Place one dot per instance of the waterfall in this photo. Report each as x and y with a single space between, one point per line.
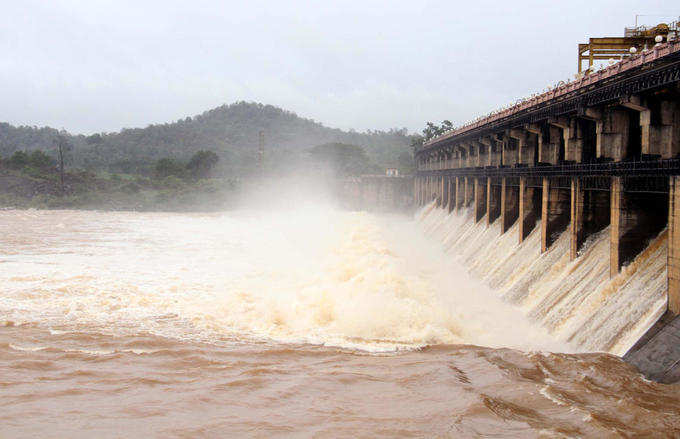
576 301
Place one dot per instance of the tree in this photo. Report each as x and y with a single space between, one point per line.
446 125
39 159
94 139
168 167
416 142
344 159
18 160
406 163
202 163
431 130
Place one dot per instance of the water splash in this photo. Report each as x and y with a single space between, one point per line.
575 300
319 276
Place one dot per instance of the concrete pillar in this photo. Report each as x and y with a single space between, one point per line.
550 150
452 193
574 147
612 134
576 230
428 192
473 156
482 152
560 137
620 224
493 150
529 208
555 216
469 191
510 151
480 199
509 205
488 144
493 201
635 219
660 129
497 151
425 189
441 194
428 189
538 134
674 246
630 225
460 192
464 156
433 188
526 144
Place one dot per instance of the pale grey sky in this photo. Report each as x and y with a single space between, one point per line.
101 65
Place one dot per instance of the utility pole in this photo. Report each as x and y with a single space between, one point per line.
260 154
61 162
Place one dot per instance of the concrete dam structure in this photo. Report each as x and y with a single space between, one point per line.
568 203
377 193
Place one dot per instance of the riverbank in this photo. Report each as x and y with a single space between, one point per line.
42 189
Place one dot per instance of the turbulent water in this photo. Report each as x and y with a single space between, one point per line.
312 322
575 300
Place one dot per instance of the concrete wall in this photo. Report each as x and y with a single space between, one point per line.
555 212
509 204
382 193
530 201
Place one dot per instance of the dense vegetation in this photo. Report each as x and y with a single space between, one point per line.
175 165
32 180
231 131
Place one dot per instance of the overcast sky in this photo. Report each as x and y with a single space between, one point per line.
91 66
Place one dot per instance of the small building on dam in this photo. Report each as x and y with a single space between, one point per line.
596 153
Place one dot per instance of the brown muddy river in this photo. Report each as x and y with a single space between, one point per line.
305 323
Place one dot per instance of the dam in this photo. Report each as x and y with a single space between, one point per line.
568 202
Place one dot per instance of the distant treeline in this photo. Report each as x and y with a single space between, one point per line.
231 132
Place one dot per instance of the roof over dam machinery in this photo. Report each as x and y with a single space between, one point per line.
595 152
634 40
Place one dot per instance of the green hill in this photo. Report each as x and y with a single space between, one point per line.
232 131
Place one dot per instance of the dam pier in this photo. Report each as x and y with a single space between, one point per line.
601 151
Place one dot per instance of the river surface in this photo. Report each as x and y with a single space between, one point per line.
302 323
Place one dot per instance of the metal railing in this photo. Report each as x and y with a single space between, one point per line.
631 168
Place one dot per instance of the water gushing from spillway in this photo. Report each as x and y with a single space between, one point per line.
576 301
312 322
312 275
